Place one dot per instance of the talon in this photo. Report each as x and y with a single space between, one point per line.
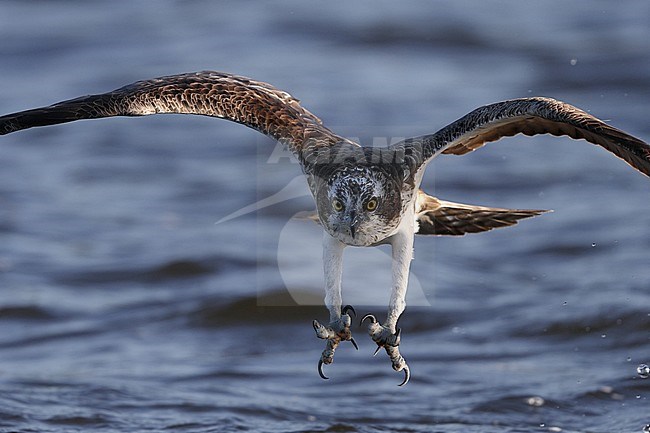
407 376
372 318
347 308
321 374
389 340
336 332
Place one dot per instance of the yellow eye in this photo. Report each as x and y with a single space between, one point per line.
372 204
337 205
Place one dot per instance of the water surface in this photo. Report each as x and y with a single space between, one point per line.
125 308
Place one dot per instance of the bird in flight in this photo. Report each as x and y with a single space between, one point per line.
365 196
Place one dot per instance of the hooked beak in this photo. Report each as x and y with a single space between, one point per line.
351 223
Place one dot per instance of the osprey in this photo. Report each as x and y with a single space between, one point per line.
365 196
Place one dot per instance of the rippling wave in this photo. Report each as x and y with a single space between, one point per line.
124 307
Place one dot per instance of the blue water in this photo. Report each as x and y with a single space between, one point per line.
125 308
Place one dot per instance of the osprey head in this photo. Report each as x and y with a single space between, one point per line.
359 205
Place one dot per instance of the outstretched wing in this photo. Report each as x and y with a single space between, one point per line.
529 116
440 217
252 103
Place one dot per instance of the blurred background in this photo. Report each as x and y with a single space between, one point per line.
124 307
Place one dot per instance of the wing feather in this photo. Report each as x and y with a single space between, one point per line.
252 103
529 116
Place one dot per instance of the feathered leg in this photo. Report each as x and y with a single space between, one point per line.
388 335
339 327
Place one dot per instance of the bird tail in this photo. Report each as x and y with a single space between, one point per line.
440 217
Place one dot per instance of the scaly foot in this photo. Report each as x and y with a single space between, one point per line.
336 332
385 338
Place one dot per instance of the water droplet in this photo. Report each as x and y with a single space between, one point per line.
565 303
646 429
535 401
629 359
643 370
574 62
603 336
593 244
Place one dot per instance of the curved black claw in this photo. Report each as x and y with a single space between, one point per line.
321 374
347 308
372 318
407 376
